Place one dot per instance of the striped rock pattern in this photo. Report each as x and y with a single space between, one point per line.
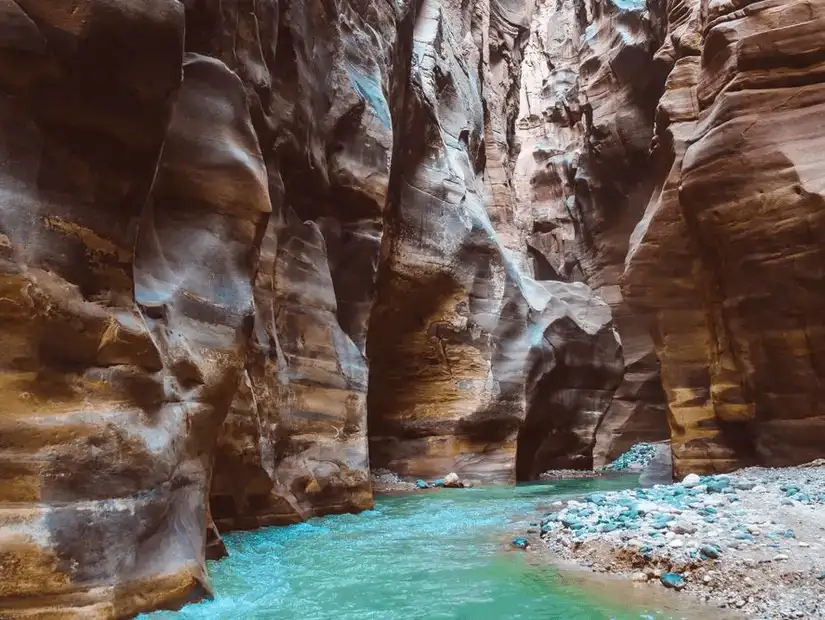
211 215
589 91
726 263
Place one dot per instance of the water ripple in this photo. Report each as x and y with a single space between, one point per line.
429 556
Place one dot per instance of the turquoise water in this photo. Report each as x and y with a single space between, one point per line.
427 556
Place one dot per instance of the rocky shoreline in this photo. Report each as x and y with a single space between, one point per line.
751 541
385 482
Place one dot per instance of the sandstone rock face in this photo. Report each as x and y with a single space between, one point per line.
726 262
294 443
476 346
589 91
133 194
212 216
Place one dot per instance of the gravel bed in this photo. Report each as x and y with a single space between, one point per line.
635 459
753 541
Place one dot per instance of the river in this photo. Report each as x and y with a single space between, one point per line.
426 556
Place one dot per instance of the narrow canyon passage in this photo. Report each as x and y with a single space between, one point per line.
254 251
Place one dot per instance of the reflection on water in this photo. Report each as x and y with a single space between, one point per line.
439 555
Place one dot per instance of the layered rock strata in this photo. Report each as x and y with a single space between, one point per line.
212 215
320 78
725 263
589 92
477 346
133 195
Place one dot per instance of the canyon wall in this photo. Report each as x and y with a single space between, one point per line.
462 341
590 87
726 264
133 195
670 159
250 249
228 230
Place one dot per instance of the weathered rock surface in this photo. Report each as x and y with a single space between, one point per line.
211 215
726 262
477 346
294 443
589 92
241 241
132 195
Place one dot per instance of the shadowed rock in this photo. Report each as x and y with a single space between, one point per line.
461 335
726 262
588 97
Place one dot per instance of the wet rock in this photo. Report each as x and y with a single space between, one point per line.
717 486
673 580
422 484
710 551
521 543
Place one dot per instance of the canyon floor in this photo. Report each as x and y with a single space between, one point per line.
751 541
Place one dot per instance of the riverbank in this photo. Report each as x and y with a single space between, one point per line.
437 553
753 541
385 482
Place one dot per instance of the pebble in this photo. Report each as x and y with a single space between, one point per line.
710 551
683 528
691 480
672 580
703 522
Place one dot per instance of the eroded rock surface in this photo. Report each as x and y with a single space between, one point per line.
726 262
132 195
294 443
589 92
212 214
241 241
477 346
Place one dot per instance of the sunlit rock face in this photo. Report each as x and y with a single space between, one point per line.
132 197
460 335
319 78
590 86
727 260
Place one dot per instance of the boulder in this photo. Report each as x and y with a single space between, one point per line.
452 480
